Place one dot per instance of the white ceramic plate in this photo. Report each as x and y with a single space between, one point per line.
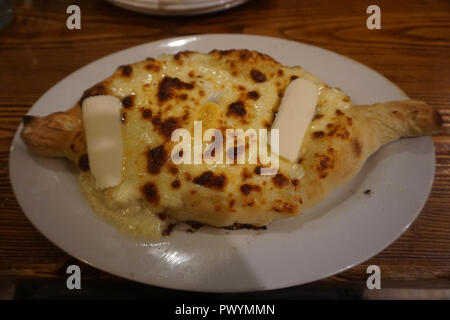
177 7
346 229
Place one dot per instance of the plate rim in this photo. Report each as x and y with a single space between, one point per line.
175 11
201 37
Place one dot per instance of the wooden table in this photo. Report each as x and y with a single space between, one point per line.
412 49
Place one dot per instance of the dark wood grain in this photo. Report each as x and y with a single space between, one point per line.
412 49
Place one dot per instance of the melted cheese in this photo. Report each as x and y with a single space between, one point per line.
134 219
126 205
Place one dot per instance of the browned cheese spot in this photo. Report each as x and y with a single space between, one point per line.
185 115
156 120
176 184
156 158
168 126
98 90
258 170
280 180
244 55
338 131
128 101
168 86
325 162
178 57
146 113
318 116
126 70
258 76
210 180
245 174
318 134
236 108
153 67
254 95
247 188
150 192
284 207
173 169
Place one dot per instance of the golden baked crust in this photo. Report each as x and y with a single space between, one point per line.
160 95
